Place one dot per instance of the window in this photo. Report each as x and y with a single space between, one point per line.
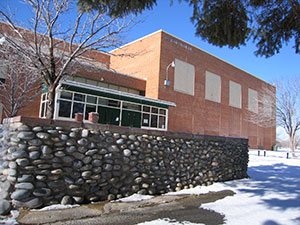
43 106
252 100
267 107
154 117
105 85
212 87
235 94
111 111
184 77
3 71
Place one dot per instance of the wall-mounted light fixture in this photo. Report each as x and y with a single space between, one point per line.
167 82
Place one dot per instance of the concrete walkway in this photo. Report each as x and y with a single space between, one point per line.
178 207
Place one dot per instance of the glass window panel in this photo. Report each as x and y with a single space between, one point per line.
113 103
102 101
154 110
133 91
91 99
146 108
146 120
42 114
114 87
79 97
77 108
154 120
66 95
101 84
88 109
162 112
79 79
162 122
124 89
127 105
92 82
64 109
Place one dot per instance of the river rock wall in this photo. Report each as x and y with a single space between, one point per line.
51 162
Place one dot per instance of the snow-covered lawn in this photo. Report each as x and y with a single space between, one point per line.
270 197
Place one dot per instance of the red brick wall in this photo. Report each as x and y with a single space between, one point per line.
194 113
141 59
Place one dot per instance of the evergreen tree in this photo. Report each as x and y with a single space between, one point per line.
270 23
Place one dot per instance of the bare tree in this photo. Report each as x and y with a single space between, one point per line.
21 84
53 44
278 105
288 107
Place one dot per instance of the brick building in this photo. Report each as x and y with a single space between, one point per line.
161 82
212 96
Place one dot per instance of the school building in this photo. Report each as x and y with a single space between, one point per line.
164 83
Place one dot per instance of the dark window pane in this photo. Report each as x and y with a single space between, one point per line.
146 108
88 109
102 101
114 103
127 105
162 112
79 97
64 109
91 99
146 120
154 110
43 110
154 120
77 108
162 122
66 95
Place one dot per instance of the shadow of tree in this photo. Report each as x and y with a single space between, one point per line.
278 185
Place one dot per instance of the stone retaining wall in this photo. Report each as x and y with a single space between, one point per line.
49 162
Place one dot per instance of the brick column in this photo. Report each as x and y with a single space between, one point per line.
79 117
93 117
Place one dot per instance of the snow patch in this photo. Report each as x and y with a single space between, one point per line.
55 207
134 198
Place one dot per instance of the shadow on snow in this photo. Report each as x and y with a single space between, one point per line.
281 181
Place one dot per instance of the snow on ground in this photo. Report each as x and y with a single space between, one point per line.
134 198
270 197
55 207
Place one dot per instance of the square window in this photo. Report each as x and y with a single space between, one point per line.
77 108
102 101
88 109
64 109
79 97
66 95
162 111
212 87
91 99
146 120
184 77
235 94
146 108
154 110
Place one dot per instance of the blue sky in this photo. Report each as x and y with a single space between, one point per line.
175 20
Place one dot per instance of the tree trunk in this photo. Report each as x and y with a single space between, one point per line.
292 145
51 103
